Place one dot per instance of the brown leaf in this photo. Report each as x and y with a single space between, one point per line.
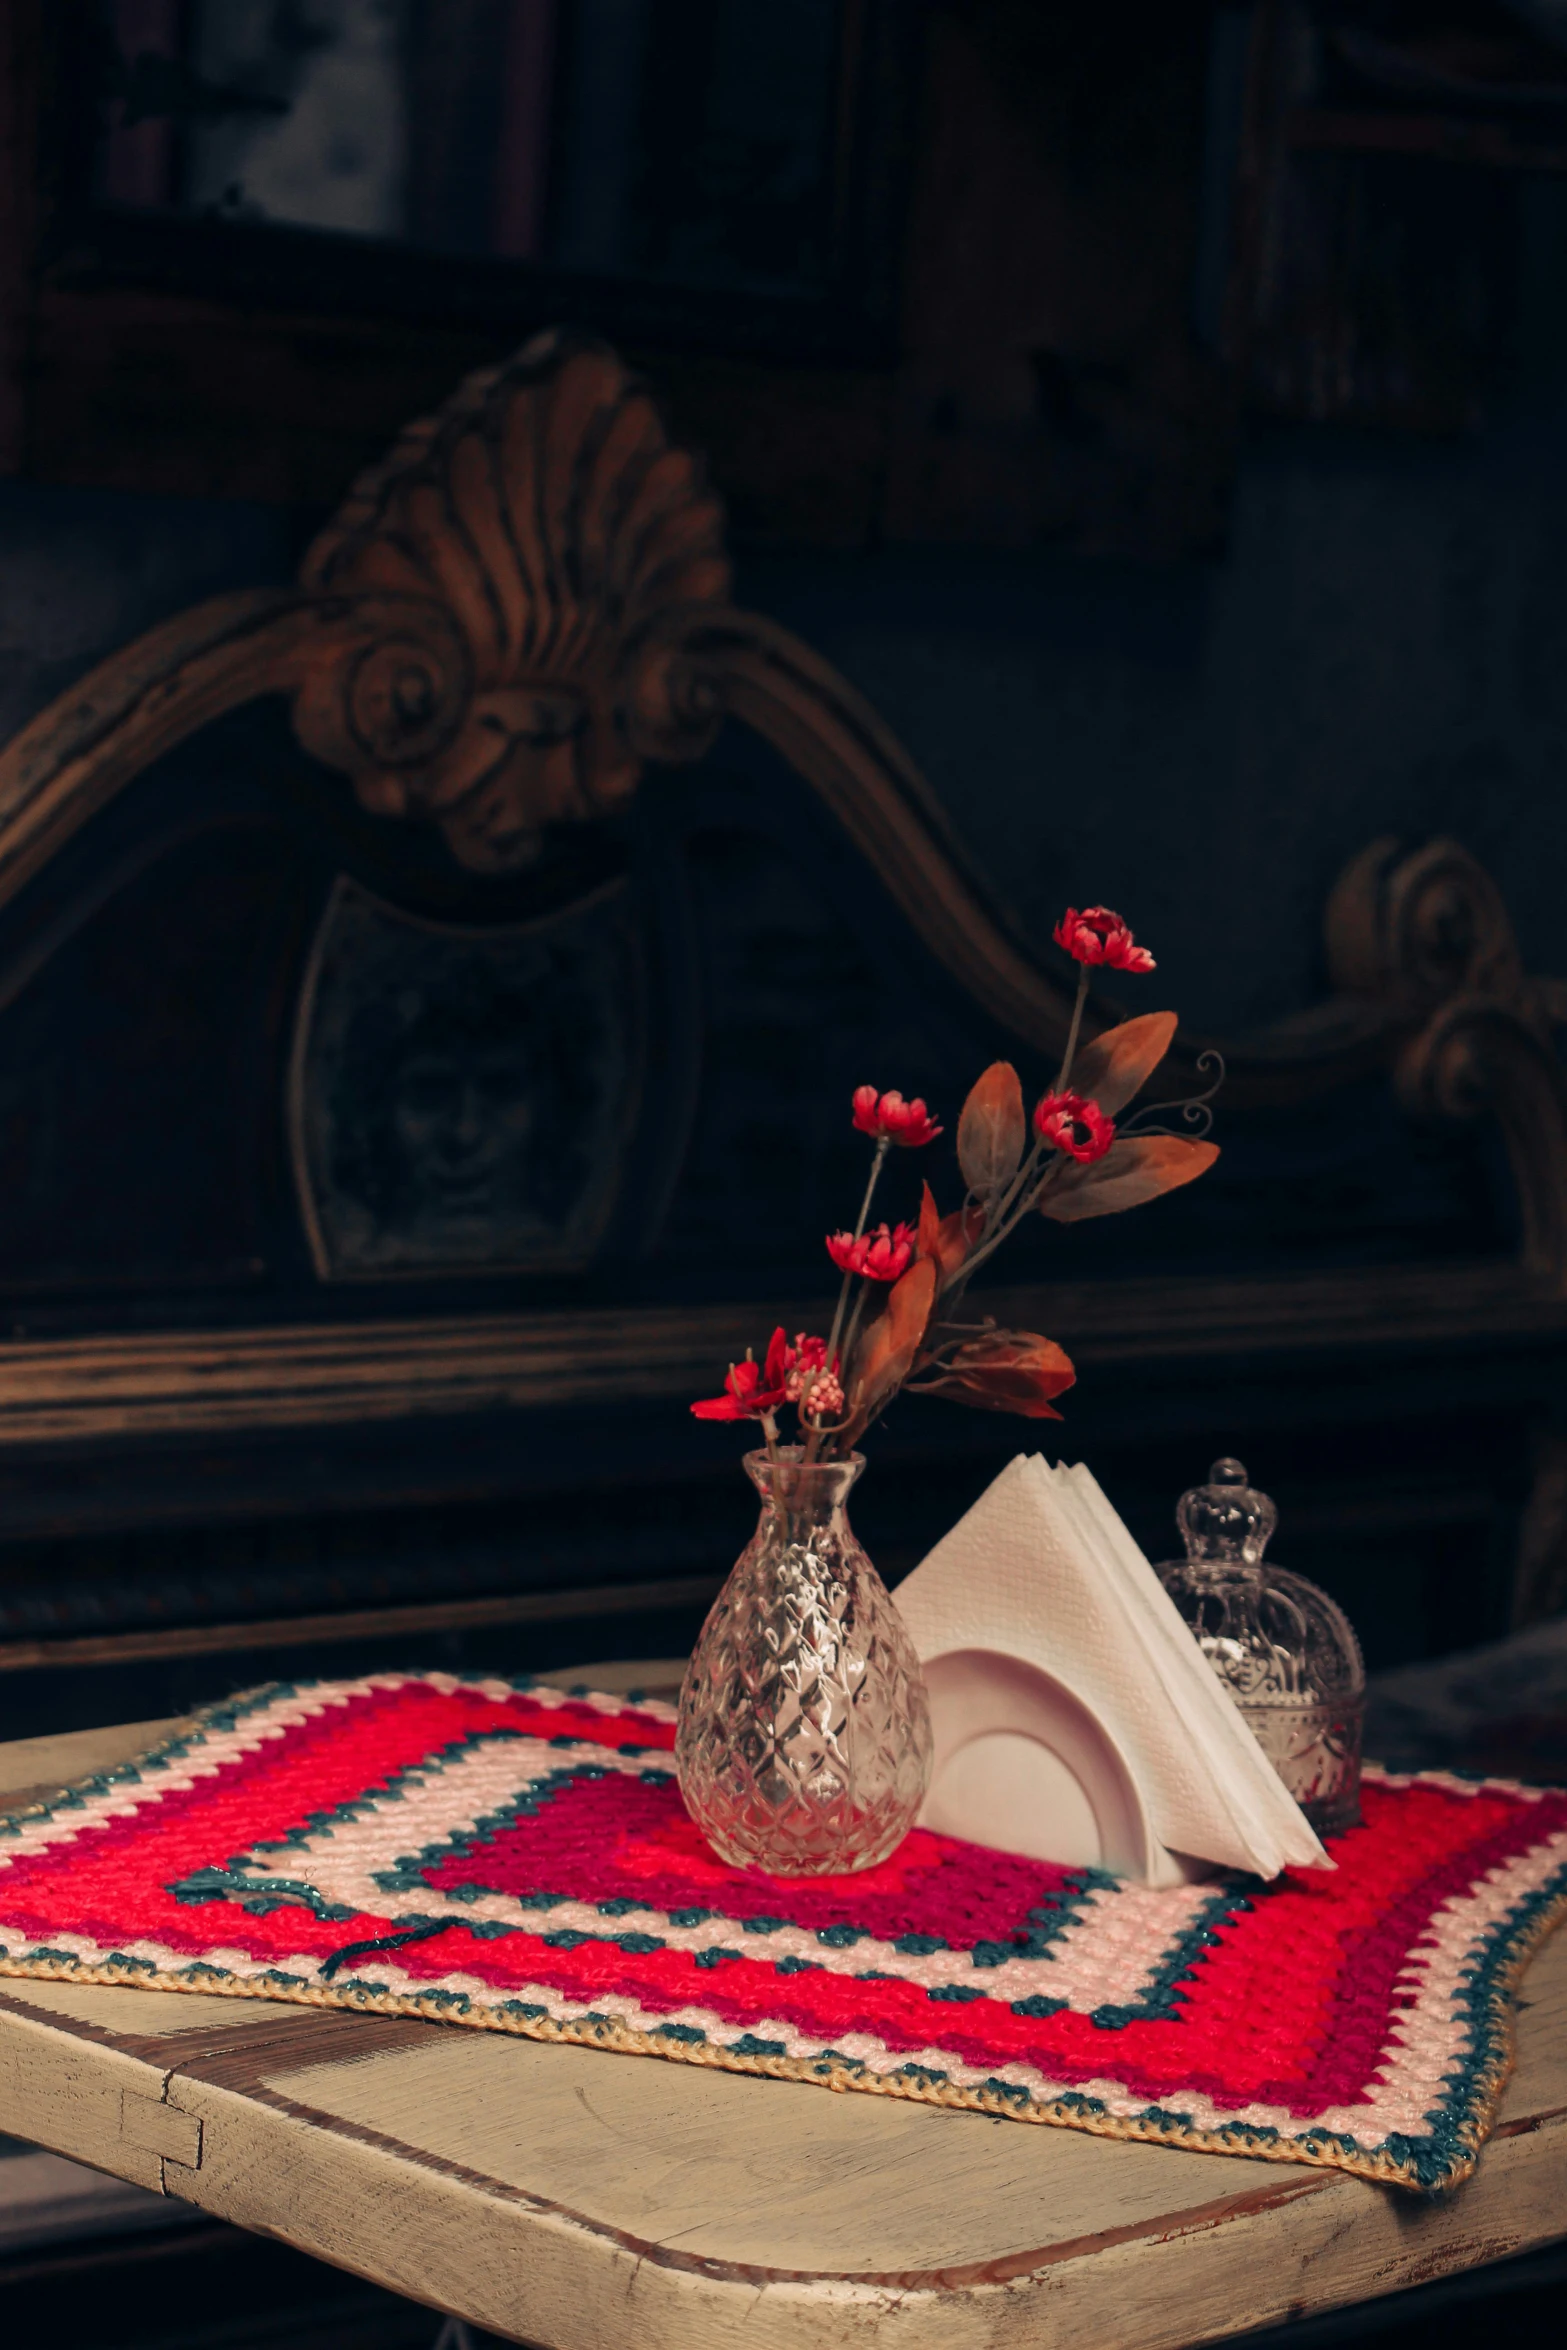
992 1130
926 1239
887 1350
1119 1063
946 1239
960 1233
1137 1168
1005 1371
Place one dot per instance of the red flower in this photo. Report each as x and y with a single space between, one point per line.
751 1389
880 1254
810 1380
1075 1125
789 1374
889 1115
1098 936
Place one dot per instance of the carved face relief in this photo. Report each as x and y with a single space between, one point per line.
529 757
461 1118
461 1099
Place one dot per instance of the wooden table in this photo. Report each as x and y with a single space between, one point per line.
587 2201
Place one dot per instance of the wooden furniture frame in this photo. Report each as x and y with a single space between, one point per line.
579 2200
434 607
541 541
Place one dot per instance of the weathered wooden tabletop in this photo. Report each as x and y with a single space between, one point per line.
584 2200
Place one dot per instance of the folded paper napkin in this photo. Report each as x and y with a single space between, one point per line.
518 1858
1042 1567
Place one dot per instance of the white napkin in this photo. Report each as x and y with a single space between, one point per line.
1041 1567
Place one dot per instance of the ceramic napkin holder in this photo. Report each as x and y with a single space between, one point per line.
1075 1718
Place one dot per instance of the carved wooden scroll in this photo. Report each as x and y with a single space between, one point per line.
1424 936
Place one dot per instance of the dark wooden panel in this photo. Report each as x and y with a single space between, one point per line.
426 1034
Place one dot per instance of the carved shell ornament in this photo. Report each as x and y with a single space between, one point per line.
516 587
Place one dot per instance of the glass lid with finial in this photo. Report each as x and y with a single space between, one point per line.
1285 1651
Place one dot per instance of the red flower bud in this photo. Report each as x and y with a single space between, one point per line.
1098 936
889 1115
797 1374
881 1254
1075 1125
811 1382
751 1388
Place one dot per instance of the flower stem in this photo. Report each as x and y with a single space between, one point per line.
852 1331
1023 1191
811 1430
1014 1204
1072 1033
883 1145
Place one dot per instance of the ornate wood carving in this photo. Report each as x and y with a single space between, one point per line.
517 585
494 633
525 602
529 599
1425 937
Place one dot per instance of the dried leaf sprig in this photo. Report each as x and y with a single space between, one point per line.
1067 1161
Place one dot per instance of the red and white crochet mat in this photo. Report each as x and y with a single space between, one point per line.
517 1858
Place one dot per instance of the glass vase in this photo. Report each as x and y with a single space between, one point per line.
804 1743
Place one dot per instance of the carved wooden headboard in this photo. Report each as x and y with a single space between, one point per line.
426 998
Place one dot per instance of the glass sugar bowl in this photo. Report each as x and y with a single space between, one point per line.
1282 1648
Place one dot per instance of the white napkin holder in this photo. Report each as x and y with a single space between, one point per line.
1074 1717
1024 1765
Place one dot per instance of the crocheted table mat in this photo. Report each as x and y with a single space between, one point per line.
518 1858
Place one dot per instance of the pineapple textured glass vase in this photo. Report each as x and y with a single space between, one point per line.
804 1744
